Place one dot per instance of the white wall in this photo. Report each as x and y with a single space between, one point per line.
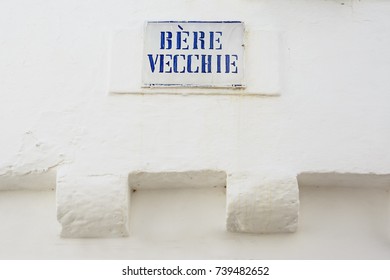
335 223
332 114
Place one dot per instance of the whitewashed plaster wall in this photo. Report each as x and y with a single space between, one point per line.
335 223
332 113
56 108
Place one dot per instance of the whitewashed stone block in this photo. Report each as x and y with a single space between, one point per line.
262 204
92 205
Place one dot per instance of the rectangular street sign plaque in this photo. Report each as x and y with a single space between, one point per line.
193 54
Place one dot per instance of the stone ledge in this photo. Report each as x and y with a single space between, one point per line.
185 179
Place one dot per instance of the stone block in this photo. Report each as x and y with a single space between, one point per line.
262 203
92 205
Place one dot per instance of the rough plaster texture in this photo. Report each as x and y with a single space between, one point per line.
56 109
267 203
334 223
92 206
174 180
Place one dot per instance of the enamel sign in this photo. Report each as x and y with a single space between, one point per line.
194 54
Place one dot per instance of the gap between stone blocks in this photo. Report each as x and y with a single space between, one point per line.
266 202
97 206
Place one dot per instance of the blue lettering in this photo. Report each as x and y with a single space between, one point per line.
161 63
168 65
234 63
193 63
198 36
218 35
166 40
152 62
206 63
227 63
189 63
219 63
182 40
175 58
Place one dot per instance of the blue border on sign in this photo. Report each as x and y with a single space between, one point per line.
193 21
195 85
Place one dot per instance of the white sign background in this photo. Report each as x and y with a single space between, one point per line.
193 54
